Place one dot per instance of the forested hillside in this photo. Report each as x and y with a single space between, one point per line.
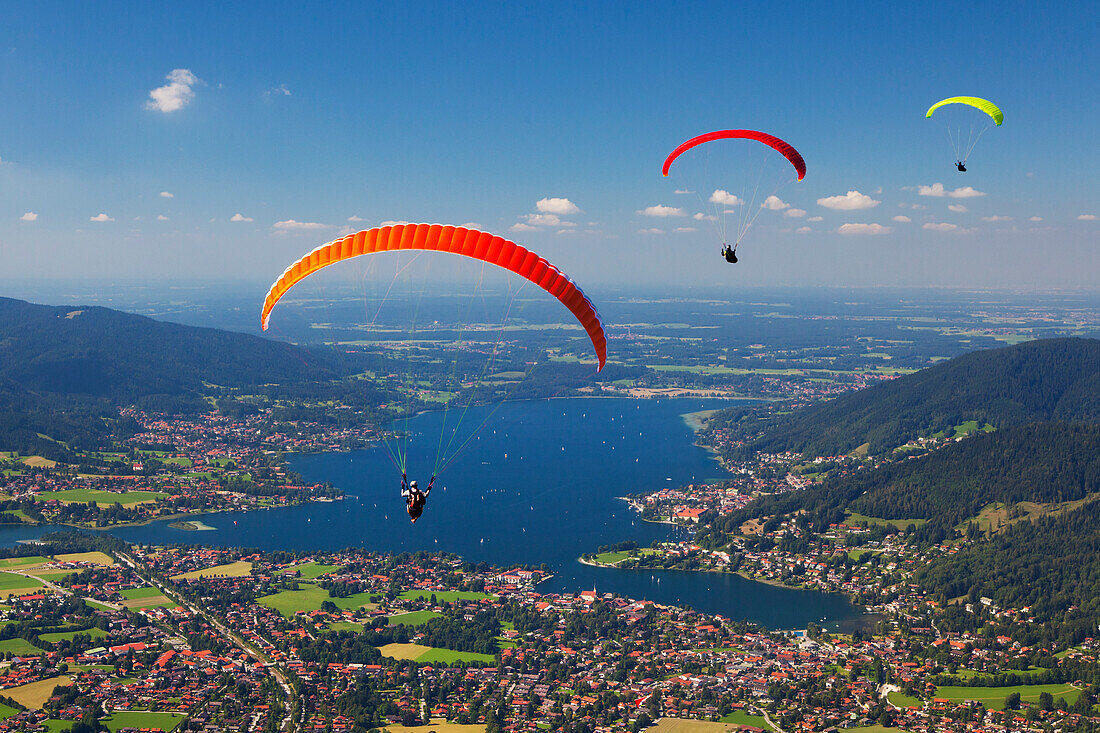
1050 565
64 371
1045 380
1041 463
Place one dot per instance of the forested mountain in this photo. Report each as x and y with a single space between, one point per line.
1050 379
1051 565
103 352
1043 463
64 371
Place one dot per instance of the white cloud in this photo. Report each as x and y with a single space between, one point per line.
393 222
544 220
685 229
774 203
29 216
682 191
473 225
292 225
957 208
850 201
802 230
902 218
725 198
660 210
938 191
521 227
795 213
100 217
651 230
1087 217
1036 218
241 217
863 229
699 216
162 217
554 205
940 226
996 218
166 195
355 218
276 91
816 218
176 94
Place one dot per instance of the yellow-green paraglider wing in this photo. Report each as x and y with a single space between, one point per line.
983 104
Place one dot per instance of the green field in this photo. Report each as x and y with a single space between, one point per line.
21 562
740 717
416 618
345 626
900 700
56 636
854 518
104 498
446 656
11 581
142 719
309 597
309 570
994 697
446 596
19 646
962 429
969 674
131 594
610 558
6 711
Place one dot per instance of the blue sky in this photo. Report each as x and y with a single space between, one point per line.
306 120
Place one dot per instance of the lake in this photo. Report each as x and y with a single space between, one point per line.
538 484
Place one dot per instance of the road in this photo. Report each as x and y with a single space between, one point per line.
288 724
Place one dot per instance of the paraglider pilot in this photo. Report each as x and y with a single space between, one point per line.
415 499
730 253
961 165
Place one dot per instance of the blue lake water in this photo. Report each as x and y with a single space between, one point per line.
538 484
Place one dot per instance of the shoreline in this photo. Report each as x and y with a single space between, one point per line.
746 576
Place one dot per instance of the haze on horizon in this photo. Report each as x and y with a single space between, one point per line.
221 143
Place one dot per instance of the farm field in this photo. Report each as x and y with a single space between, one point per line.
439 726
309 570
742 717
56 636
143 720
103 498
994 697
416 618
421 653
309 597
19 646
96 558
36 694
23 562
10 582
230 570
145 598
904 701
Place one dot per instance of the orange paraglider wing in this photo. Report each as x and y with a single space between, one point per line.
456 240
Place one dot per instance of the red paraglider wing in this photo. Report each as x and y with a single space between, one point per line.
770 140
456 240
